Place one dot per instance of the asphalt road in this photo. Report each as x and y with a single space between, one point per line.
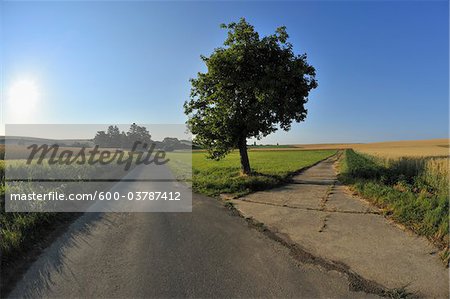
206 253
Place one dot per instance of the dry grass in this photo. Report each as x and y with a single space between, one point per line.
433 171
427 159
437 172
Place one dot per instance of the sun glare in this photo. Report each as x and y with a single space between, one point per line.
22 98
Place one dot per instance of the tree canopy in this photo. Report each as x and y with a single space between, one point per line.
252 87
114 138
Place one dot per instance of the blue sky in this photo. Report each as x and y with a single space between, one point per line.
382 67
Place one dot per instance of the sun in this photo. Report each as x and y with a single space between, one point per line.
24 92
23 96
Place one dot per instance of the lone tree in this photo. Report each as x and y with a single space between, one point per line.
252 87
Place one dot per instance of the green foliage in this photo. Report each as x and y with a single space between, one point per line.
272 168
404 189
114 138
253 85
16 229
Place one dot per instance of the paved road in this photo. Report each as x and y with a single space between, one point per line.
318 213
206 253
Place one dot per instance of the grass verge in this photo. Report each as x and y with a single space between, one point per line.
407 191
36 233
271 168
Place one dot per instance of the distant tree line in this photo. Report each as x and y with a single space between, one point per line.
114 138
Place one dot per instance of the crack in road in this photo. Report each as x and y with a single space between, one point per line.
342 237
313 209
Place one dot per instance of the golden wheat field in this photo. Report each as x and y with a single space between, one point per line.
418 148
392 149
426 158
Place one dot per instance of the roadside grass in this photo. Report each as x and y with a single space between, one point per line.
413 191
19 232
271 168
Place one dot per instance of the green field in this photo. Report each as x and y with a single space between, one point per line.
270 146
271 167
413 191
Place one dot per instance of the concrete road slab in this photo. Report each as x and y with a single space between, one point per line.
296 195
340 199
348 230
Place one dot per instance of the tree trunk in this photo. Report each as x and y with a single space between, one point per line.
245 163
